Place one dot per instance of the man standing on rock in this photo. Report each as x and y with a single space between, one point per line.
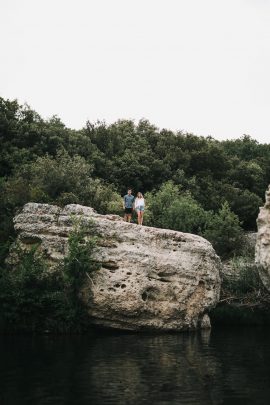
128 205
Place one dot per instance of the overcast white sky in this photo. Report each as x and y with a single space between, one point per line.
201 66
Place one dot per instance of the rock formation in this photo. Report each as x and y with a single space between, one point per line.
262 250
150 279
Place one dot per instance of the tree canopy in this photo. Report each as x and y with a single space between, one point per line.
185 177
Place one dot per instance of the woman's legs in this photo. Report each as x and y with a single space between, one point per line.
139 216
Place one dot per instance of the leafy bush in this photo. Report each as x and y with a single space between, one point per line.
79 261
44 161
34 299
244 299
67 198
54 176
223 230
186 214
244 277
171 209
57 180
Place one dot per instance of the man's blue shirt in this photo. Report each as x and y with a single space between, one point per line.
129 200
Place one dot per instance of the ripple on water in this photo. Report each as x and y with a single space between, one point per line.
226 366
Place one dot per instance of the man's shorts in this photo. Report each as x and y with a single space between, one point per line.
128 211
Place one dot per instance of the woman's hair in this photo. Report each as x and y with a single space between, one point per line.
139 195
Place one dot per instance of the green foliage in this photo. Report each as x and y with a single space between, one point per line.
4 250
44 161
34 299
246 205
79 261
158 203
102 197
244 276
54 176
244 300
26 294
223 230
172 209
61 180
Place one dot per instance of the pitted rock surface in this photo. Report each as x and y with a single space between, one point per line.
150 278
262 250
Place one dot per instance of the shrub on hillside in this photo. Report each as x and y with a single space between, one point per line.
33 299
172 209
224 231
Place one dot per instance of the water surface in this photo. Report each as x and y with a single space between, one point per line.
226 366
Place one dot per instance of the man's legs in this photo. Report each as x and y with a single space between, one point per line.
127 216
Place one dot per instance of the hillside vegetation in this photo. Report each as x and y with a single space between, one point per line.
191 183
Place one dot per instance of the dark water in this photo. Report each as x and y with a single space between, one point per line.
229 366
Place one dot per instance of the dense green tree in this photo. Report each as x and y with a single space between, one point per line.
223 230
43 160
242 202
170 208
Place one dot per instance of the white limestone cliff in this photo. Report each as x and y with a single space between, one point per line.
262 249
150 278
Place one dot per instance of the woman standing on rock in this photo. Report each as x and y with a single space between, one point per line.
139 207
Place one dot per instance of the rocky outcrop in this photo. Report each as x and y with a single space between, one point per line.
150 278
262 250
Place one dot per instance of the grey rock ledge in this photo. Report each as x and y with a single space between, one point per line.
150 279
262 249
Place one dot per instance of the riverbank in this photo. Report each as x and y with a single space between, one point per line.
244 300
37 302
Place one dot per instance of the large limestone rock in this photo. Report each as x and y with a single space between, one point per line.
150 278
262 250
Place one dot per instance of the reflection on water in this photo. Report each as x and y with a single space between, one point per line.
229 366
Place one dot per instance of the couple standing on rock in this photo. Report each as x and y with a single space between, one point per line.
130 203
